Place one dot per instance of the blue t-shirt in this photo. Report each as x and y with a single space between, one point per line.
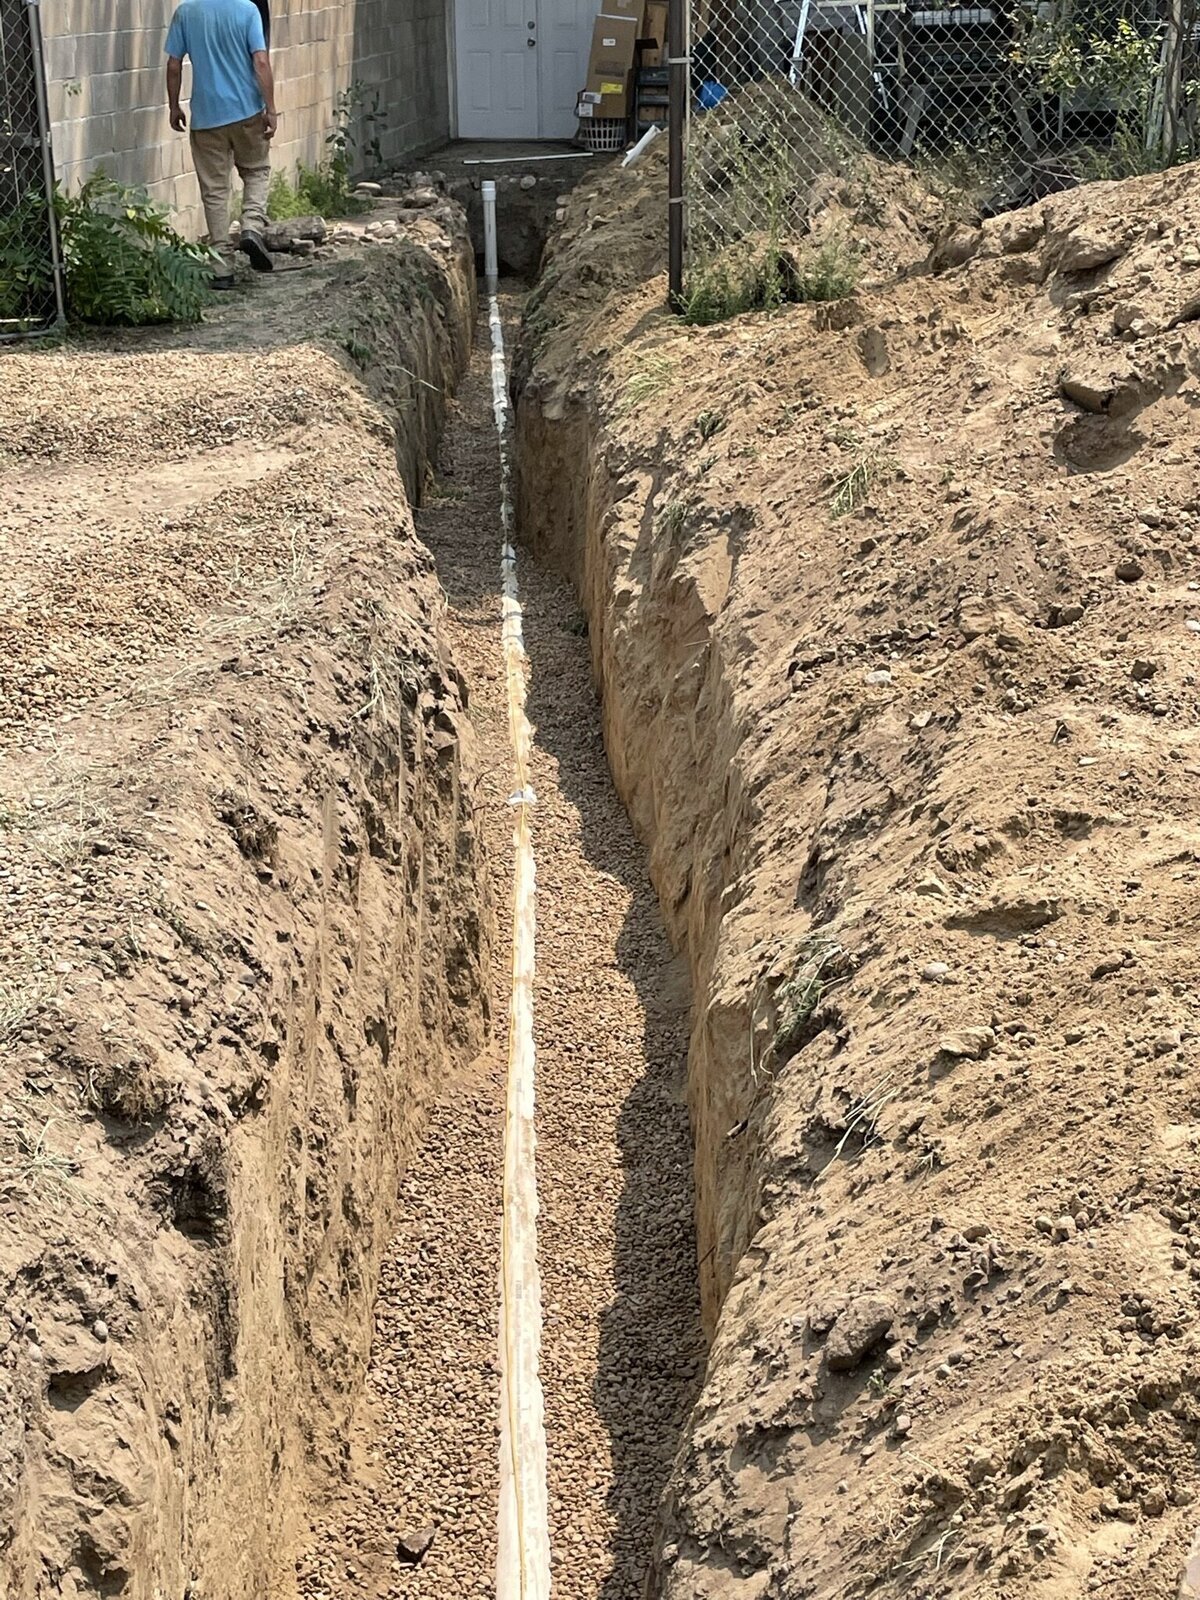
220 36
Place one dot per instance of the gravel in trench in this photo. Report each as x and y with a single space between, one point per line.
622 1350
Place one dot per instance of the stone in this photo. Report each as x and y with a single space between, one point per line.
1142 669
1130 569
903 1424
858 1329
1064 1229
1044 1224
528 181
1106 968
100 1329
967 1043
412 1548
879 678
935 971
368 189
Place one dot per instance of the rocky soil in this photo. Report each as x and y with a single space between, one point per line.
246 921
895 610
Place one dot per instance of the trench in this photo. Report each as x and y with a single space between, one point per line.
622 1348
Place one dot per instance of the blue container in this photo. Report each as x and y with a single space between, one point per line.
711 94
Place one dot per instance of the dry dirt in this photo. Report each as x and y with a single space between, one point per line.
246 919
895 610
622 1348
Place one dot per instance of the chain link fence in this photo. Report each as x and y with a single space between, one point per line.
30 282
985 107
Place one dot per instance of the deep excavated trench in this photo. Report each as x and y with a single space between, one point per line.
622 1350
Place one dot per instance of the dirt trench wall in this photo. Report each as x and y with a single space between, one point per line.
246 916
893 606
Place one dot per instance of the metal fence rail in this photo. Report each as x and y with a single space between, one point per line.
30 279
994 105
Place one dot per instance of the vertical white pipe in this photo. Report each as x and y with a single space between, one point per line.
491 265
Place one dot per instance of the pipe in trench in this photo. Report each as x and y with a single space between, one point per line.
523 1543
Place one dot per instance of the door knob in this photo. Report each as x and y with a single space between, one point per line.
532 43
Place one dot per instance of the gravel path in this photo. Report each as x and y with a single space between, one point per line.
622 1349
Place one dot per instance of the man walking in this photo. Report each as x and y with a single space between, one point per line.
233 117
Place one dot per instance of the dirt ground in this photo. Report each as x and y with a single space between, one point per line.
246 922
895 609
622 1348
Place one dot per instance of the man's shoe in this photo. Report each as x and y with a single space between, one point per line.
251 244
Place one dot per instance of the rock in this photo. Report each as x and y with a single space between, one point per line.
903 1424
368 189
935 972
879 678
858 1329
932 886
974 1231
1106 968
304 247
1044 1224
1081 251
1142 669
100 1329
413 1547
967 1043
1167 1043
420 198
1064 1229
1130 570
528 181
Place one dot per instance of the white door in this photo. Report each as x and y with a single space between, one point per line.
520 66
564 40
496 53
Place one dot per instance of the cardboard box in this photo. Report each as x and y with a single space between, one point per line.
605 95
654 26
614 45
630 9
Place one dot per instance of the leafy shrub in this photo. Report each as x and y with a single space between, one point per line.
124 262
326 189
25 277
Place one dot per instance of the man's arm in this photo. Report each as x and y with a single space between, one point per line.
174 85
266 84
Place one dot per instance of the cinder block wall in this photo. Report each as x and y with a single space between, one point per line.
105 68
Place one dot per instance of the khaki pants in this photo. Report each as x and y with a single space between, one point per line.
215 151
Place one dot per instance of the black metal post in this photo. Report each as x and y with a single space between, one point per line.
677 103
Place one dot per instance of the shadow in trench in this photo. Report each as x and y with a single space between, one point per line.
652 1350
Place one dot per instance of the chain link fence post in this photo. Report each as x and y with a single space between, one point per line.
31 288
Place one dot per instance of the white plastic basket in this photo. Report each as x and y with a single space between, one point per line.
603 133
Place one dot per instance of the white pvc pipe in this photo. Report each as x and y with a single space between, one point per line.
523 1542
491 264
632 157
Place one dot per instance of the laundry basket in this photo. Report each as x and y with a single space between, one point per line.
603 133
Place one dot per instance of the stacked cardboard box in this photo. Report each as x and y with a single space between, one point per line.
608 90
655 27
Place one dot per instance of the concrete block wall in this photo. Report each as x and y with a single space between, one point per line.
106 84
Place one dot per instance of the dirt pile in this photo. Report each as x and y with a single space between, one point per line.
895 608
245 928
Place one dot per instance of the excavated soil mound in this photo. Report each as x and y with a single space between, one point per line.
895 610
244 927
